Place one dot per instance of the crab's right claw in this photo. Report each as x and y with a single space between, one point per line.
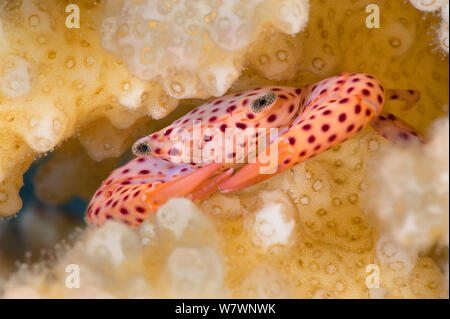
328 124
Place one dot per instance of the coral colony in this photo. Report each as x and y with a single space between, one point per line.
229 149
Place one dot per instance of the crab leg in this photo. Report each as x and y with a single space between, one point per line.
411 97
391 127
395 129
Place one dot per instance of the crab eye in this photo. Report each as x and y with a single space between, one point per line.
262 102
141 148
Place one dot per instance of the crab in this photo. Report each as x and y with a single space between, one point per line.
286 125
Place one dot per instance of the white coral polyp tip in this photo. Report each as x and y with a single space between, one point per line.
391 255
265 282
271 226
220 78
427 5
42 130
443 36
293 15
147 232
175 215
445 12
112 242
17 80
132 94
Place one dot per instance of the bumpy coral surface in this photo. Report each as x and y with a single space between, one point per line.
409 196
307 233
194 48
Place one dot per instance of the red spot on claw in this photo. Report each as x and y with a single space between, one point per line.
365 92
342 117
271 118
292 140
379 98
231 108
140 209
241 126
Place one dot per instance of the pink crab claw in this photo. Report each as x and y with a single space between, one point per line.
396 130
210 186
411 97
